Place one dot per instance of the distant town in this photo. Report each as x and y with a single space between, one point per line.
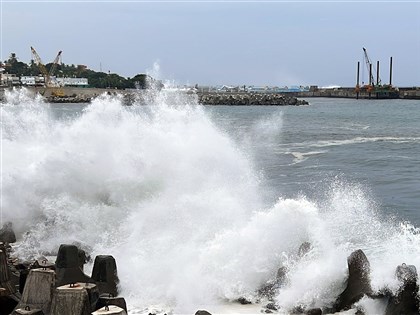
56 76
14 72
17 73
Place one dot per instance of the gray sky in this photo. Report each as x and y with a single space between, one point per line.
259 43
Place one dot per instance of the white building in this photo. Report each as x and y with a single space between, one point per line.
82 82
32 80
9 79
26 80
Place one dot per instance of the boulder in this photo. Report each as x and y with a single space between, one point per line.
271 306
202 312
406 300
270 288
304 248
358 282
244 301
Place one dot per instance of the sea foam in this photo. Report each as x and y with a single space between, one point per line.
178 203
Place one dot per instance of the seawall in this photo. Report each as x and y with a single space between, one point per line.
350 92
85 95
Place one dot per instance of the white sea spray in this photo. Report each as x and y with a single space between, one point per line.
178 203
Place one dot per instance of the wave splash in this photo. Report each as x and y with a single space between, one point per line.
178 204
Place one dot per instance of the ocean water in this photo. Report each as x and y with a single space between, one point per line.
201 205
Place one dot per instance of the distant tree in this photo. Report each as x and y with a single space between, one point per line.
96 79
16 67
12 58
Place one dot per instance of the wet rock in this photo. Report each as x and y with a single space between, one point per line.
358 282
406 300
360 311
67 266
202 312
314 311
7 235
270 288
300 309
304 248
271 306
281 276
244 301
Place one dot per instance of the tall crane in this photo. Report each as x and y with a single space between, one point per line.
369 66
47 74
54 65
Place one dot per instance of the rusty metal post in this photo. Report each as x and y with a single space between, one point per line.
370 79
358 77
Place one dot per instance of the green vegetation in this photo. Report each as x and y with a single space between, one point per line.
96 79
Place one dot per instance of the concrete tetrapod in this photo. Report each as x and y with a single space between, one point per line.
38 290
5 275
406 300
105 275
7 235
358 282
70 299
110 310
107 299
67 266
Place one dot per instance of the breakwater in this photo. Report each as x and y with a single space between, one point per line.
85 95
273 99
350 92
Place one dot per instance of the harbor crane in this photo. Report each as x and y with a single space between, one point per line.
381 90
369 66
47 74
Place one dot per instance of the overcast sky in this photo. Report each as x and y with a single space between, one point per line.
235 42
